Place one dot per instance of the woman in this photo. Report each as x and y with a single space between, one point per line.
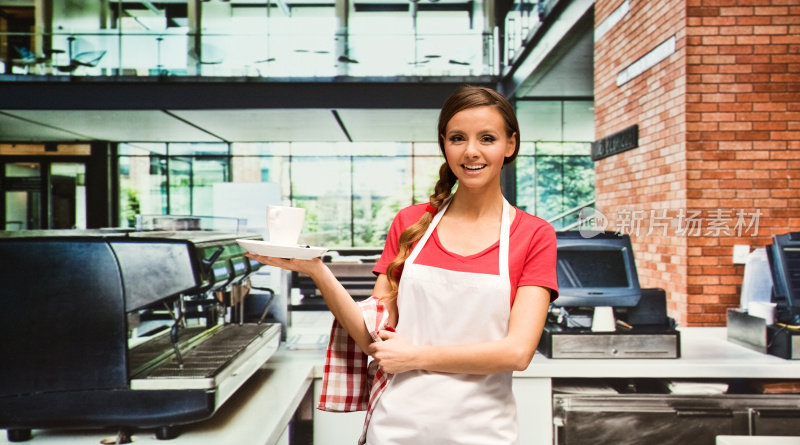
466 280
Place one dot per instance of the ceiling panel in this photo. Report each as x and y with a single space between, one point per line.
267 125
14 129
234 125
568 70
406 125
117 125
239 125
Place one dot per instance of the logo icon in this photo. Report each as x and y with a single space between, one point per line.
591 222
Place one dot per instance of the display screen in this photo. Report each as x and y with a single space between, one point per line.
596 268
792 255
784 261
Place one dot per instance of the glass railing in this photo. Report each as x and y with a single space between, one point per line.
524 18
250 55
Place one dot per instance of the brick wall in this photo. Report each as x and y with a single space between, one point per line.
742 136
652 177
719 140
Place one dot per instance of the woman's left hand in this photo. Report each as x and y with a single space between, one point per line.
308 267
394 354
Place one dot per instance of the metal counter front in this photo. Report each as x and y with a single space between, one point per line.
706 356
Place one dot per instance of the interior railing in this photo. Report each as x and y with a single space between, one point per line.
569 219
521 21
179 53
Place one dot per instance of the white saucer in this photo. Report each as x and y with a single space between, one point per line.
266 248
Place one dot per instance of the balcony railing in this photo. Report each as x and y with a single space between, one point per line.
253 55
521 22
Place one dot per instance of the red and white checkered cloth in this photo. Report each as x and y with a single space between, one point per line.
349 381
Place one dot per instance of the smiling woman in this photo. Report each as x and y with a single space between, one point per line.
462 290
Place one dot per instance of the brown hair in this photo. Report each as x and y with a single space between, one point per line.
462 99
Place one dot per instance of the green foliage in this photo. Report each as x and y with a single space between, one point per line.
132 207
550 182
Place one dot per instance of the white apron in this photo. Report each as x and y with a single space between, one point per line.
444 307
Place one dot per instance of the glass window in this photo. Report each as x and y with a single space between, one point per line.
191 182
578 181
199 149
322 186
427 160
142 149
579 126
526 182
268 39
556 178
426 173
206 171
559 121
262 162
351 191
540 120
23 196
554 168
261 149
142 186
549 186
260 169
180 185
67 195
381 187
427 149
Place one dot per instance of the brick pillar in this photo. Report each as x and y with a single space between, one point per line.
718 161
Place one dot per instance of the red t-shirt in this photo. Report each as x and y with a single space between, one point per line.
531 256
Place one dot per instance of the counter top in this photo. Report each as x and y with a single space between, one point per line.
256 414
757 440
260 410
705 353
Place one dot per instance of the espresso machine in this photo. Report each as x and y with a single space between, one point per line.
124 329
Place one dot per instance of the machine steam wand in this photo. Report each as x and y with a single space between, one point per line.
173 333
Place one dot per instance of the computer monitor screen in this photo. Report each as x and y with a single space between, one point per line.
784 262
596 271
592 268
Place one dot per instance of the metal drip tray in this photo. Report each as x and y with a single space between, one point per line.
209 357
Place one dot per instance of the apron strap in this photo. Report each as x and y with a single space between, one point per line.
436 218
505 234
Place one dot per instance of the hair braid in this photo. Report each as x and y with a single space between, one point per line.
442 191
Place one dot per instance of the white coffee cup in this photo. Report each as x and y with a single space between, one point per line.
284 224
603 319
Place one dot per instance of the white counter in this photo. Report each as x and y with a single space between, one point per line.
757 440
259 412
705 353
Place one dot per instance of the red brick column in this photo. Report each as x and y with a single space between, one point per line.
719 140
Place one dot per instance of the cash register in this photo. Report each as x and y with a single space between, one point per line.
601 311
